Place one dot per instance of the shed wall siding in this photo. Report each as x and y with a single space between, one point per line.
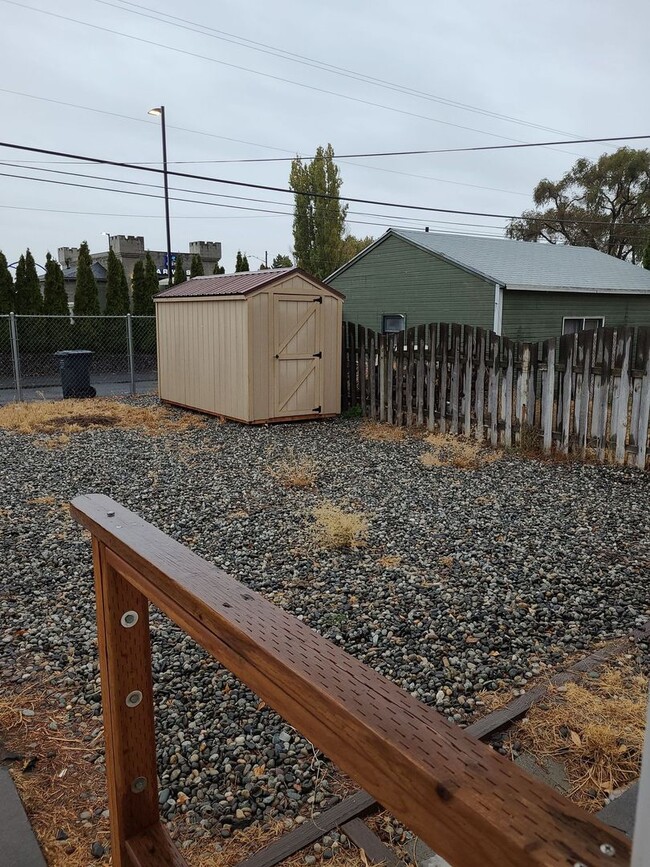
203 355
538 315
397 277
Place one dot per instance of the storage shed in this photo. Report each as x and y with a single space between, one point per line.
255 346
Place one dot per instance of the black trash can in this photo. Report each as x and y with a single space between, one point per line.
74 365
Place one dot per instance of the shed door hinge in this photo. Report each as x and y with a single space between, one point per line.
317 409
318 355
318 300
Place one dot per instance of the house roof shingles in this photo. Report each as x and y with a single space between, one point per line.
528 265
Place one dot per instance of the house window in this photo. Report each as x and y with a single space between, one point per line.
393 323
572 324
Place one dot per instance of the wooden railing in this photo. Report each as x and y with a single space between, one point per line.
471 805
581 393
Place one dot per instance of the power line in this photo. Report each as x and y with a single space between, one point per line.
313 194
268 75
274 51
85 175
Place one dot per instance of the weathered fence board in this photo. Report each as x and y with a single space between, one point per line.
585 394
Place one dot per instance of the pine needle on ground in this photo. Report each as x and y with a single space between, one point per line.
65 417
595 727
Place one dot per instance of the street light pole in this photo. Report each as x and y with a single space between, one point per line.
160 112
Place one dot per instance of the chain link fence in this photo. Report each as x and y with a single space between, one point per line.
123 357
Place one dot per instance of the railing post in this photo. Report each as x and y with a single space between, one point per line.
127 701
129 346
15 356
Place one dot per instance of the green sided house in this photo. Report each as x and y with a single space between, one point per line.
523 290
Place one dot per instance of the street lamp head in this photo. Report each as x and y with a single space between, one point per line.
157 112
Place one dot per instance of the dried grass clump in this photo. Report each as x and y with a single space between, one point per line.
295 471
64 417
62 782
451 451
389 561
595 727
335 528
380 432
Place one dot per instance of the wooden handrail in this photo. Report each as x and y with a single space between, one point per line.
471 805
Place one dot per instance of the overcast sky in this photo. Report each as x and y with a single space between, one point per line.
578 67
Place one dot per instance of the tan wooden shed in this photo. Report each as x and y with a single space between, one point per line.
256 346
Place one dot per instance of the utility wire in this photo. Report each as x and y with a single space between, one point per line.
85 175
262 47
313 194
268 75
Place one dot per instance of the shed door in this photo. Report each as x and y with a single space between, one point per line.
298 355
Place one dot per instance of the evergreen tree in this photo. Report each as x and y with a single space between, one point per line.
138 288
196 266
318 223
86 297
282 261
244 263
239 262
151 287
646 256
179 271
7 294
28 290
55 298
117 289
218 269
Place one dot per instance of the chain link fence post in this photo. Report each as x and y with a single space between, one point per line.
15 356
129 344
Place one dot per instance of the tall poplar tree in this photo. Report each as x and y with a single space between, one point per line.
196 266
86 297
55 298
7 293
319 216
179 271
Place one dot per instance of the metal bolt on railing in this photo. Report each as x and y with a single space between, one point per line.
134 698
139 785
129 619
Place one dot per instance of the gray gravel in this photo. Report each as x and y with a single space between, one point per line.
496 575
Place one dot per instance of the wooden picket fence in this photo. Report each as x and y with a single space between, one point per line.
585 394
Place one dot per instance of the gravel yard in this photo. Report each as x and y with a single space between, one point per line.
469 580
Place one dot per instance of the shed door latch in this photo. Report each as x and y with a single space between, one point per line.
317 409
318 355
318 300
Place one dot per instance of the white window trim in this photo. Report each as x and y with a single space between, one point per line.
497 320
602 321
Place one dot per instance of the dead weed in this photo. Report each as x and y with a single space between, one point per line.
335 528
452 451
381 432
295 471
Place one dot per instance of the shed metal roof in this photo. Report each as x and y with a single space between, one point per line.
240 283
528 265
